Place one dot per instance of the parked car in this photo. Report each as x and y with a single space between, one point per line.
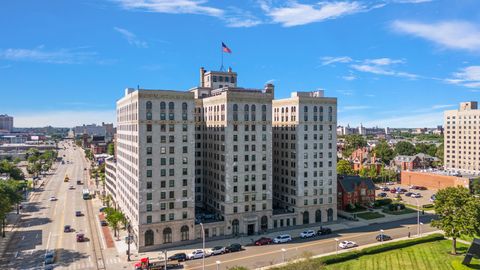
80 237
390 183
393 190
308 234
218 250
101 209
71 187
416 195
385 189
67 228
284 238
384 236
382 194
422 188
103 223
181 257
432 198
263 241
403 190
196 254
347 244
52 198
49 257
377 188
233 248
78 213
324 231
408 194
414 187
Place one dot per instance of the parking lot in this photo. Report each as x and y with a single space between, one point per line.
424 199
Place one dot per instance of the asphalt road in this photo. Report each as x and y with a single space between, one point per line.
42 223
255 257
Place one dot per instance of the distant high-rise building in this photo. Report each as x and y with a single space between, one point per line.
462 139
6 123
89 130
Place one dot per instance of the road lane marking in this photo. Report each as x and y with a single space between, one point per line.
48 241
292 248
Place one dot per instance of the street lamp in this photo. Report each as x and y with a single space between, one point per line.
283 254
418 217
381 235
421 223
203 246
218 264
336 245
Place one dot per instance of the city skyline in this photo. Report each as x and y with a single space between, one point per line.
373 56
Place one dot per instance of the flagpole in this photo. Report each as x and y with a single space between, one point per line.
221 52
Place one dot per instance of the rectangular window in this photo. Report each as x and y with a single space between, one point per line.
149 173
149 207
149 196
149 219
149 185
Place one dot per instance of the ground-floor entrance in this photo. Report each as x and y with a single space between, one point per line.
250 229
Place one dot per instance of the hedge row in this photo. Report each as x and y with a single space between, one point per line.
378 249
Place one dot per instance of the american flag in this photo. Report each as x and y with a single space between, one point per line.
225 48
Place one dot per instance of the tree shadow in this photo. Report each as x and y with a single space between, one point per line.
33 221
35 259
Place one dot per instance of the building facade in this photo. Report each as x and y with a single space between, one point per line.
6 123
206 158
305 160
354 190
462 139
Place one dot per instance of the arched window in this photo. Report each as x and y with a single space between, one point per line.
167 235
330 214
318 216
171 106
235 107
149 238
305 108
245 108
315 109
149 105
264 108
149 115
306 217
264 223
253 107
162 105
184 106
184 232
235 227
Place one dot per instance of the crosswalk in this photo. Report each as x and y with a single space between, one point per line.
87 265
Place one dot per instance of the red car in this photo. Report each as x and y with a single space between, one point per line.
422 188
263 241
393 190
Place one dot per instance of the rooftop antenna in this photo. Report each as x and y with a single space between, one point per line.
138 87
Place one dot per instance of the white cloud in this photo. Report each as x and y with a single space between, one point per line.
63 118
346 92
384 61
131 38
235 17
294 13
449 34
328 60
172 6
468 77
60 56
431 119
382 66
350 77
412 1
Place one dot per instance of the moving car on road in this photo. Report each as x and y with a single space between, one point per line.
347 244
263 241
71 187
196 254
52 198
324 231
218 250
80 237
67 228
78 213
181 257
308 234
103 223
284 238
383 237
49 257
233 248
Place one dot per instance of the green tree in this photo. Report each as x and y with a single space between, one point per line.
372 172
383 151
439 153
476 186
363 172
111 149
344 168
114 219
405 148
353 142
458 213
11 196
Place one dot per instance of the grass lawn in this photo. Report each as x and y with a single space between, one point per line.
400 212
433 255
429 206
468 238
370 215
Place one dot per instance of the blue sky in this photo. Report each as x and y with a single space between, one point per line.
396 63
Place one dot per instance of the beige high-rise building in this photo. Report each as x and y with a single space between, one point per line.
155 165
462 139
305 160
205 158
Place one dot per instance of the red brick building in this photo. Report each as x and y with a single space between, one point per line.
363 158
433 180
354 190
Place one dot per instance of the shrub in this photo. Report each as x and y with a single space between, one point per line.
382 202
396 207
427 205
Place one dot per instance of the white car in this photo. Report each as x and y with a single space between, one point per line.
196 254
217 250
284 238
53 198
308 233
416 195
347 244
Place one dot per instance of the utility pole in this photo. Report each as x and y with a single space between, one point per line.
128 237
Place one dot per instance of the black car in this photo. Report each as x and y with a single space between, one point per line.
181 257
324 231
408 194
233 248
103 223
384 236
382 194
